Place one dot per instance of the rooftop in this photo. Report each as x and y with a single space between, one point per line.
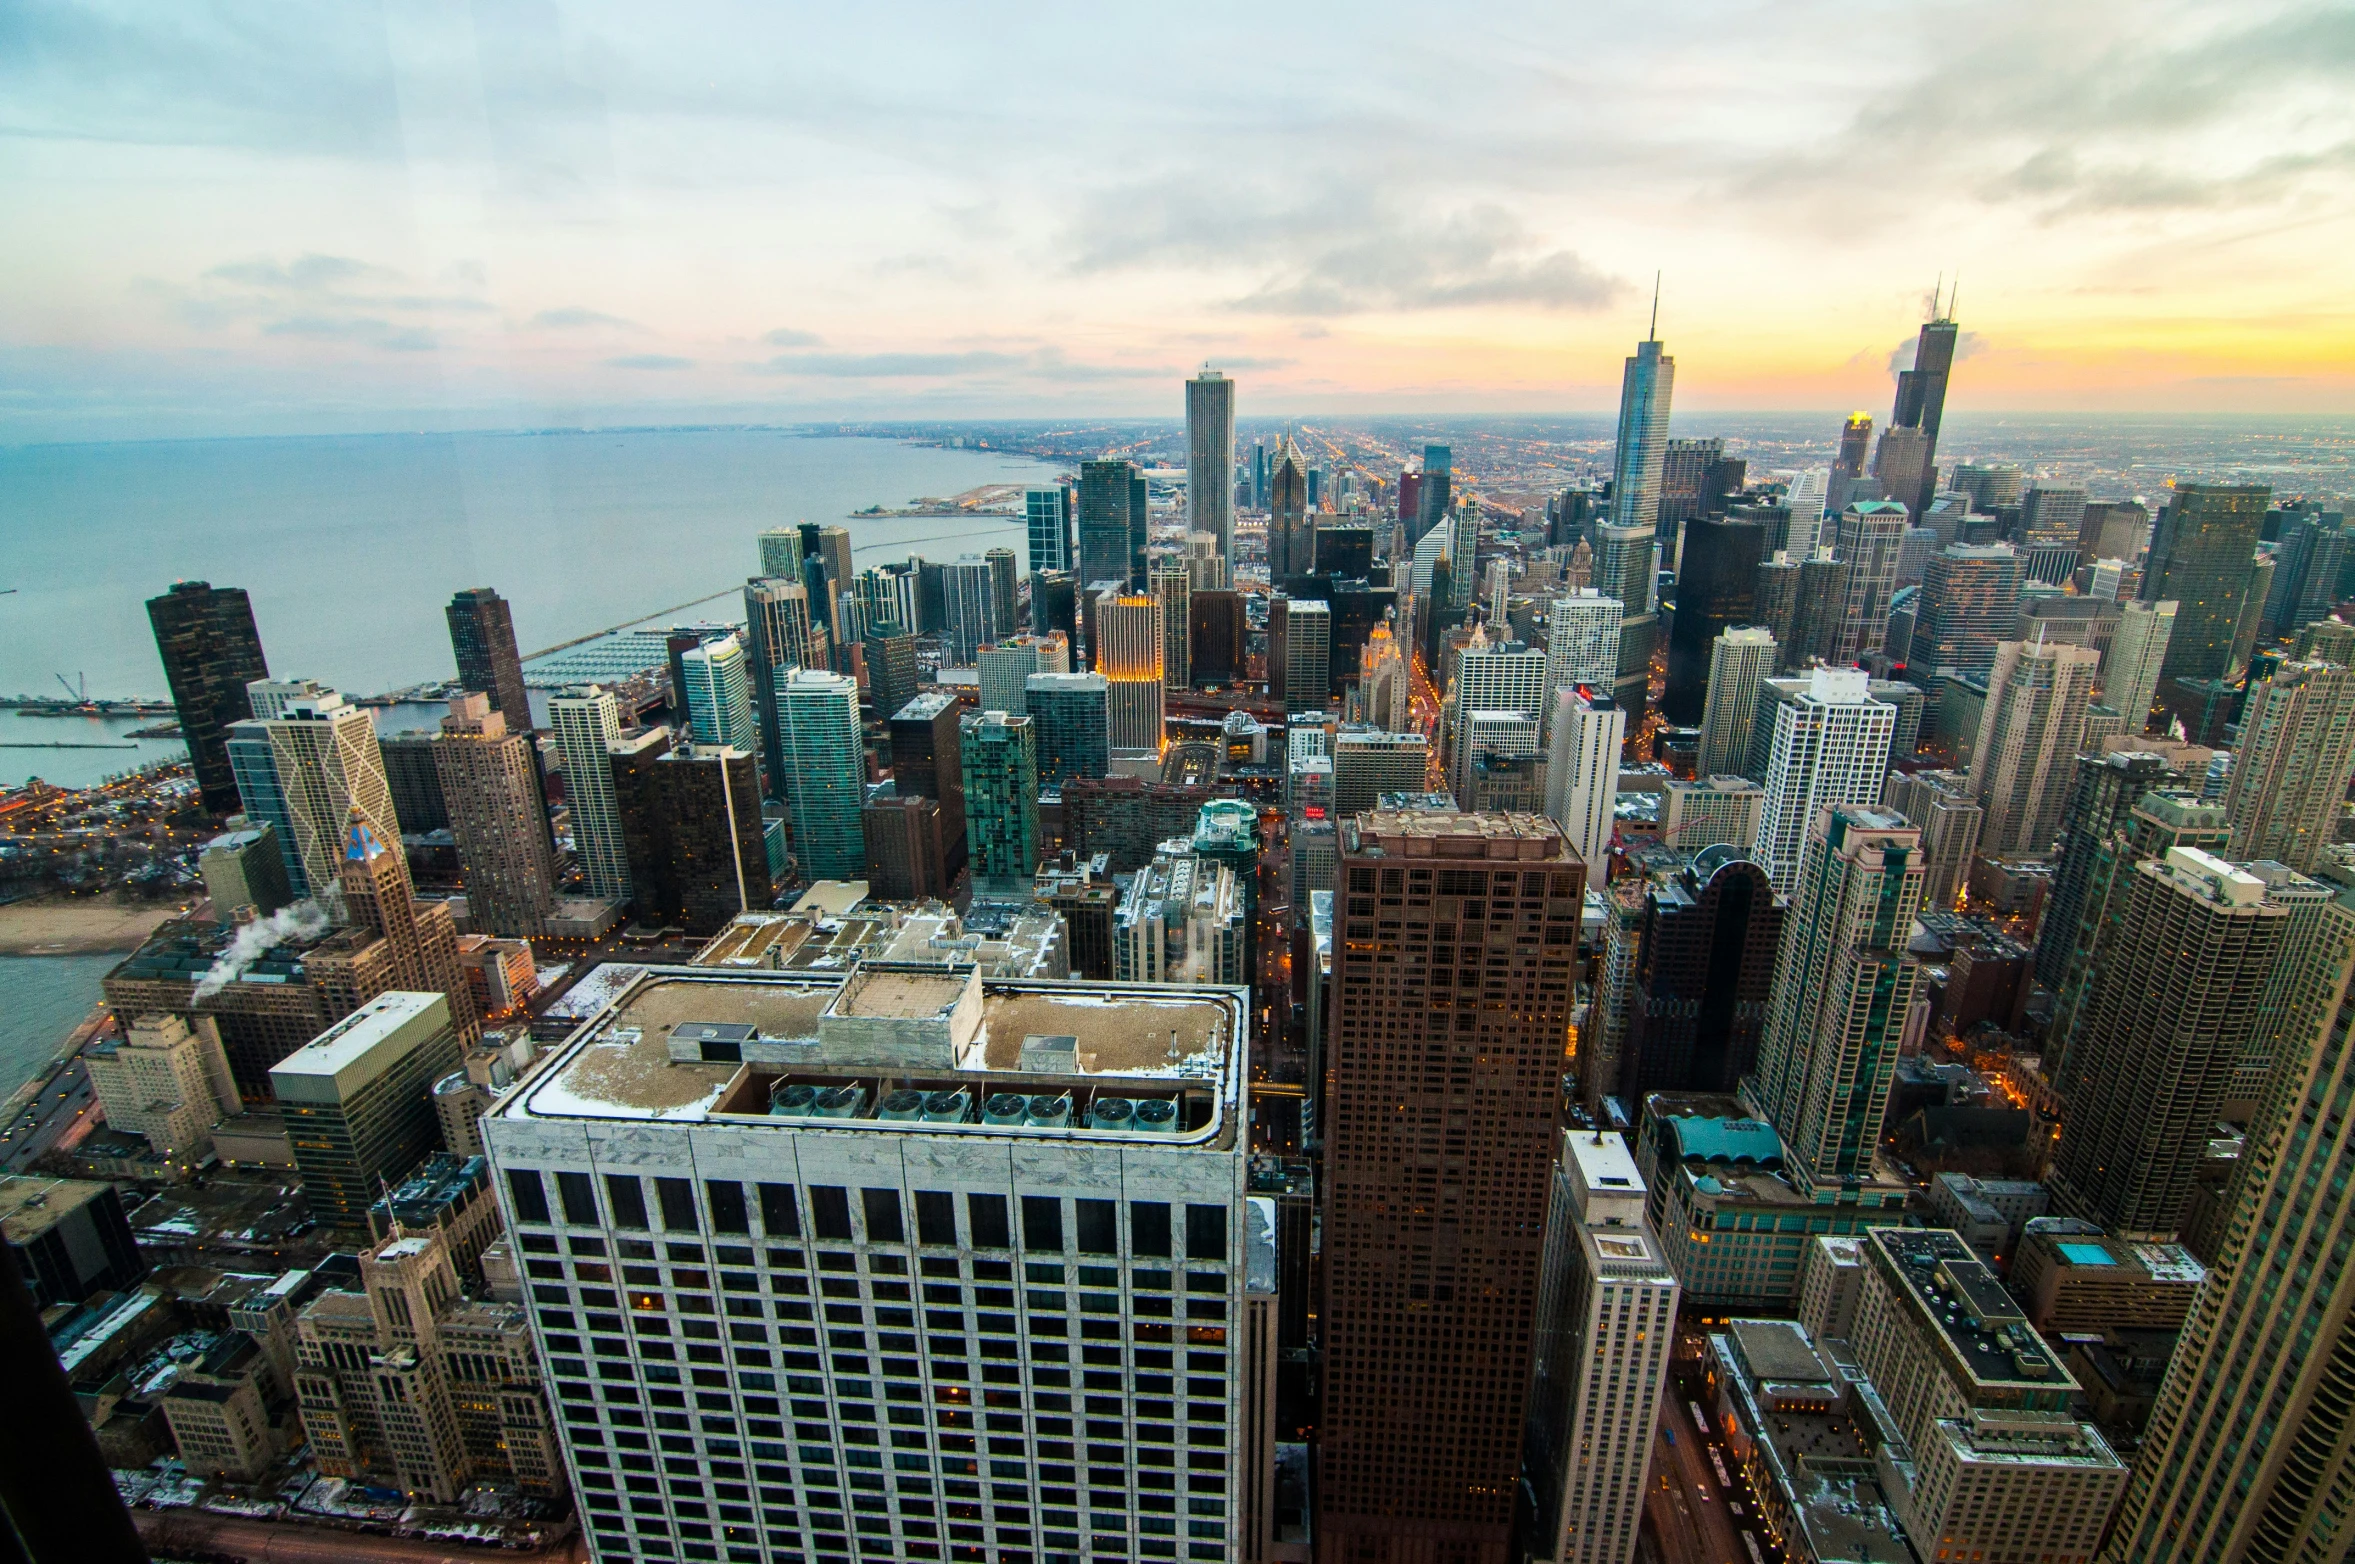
362 1045
1985 1331
30 1207
1819 1434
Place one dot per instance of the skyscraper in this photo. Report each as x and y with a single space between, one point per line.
1856 440
1174 587
2102 794
1210 458
420 939
490 781
1582 643
1003 669
358 1104
891 667
1107 488
2138 652
2029 731
1606 1316
2247 1446
1005 597
1921 403
1867 543
776 639
717 698
1739 660
926 762
1299 652
1000 758
1841 991
2182 977
1830 745
1046 514
780 553
1215 635
691 823
1290 543
825 772
211 652
482 634
969 597
1071 717
1970 600
1369 762
1434 492
586 722
1716 589
303 771
2201 558
1432 1238
1129 632
1646 388
1582 773
2295 759
1701 978
1941 805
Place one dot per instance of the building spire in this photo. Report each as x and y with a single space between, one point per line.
1655 332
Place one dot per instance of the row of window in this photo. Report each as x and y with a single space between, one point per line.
988 1218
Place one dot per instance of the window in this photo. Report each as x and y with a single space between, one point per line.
936 1217
531 1196
579 1196
1206 1232
1148 1227
1042 1222
1099 1225
987 1216
883 1218
778 1213
830 1211
626 1193
726 1198
678 1204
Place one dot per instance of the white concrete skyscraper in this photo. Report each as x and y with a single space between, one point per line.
2024 759
2290 772
1738 660
1582 773
1606 1318
1830 746
586 721
1210 458
2138 650
1582 643
718 696
1870 534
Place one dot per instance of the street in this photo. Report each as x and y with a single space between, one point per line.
1696 1519
264 1542
62 1109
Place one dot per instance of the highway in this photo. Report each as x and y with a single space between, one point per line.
63 1106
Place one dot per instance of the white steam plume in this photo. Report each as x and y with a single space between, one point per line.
303 920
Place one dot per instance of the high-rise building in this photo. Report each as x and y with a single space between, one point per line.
1182 919
1970 600
691 824
1054 604
1299 652
958 1165
2291 770
490 779
969 597
419 939
776 640
1582 643
2307 559
2102 796
1718 810
2182 983
907 856
1582 773
1716 589
891 667
2114 529
358 1101
211 652
1432 1239
482 634
2138 652
2248 1441
2029 733
586 722
303 770
1107 489
1942 805
1901 467
1128 655
1004 591
1383 695
1434 490
244 868
1071 715
1215 636
1856 441
1369 762
1000 758
1870 535
1700 977
1004 667
1739 660
1174 588
1829 745
2001 1466
780 553
1921 405
1842 988
1645 390
926 763
1606 1318
2201 559
1291 545
1210 458
166 1080
1046 514
825 772
718 694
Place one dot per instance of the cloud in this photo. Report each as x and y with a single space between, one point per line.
649 361
787 337
573 317
304 274
350 328
1039 364
1967 344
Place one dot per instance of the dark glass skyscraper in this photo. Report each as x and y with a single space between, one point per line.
482 634
1716 589
1704 969
1107 491
2202 557
1921 402
210 652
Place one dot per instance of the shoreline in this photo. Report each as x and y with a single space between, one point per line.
74 926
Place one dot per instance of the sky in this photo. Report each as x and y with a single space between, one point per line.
259 219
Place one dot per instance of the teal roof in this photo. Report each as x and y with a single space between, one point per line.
2085 1254
1726 1140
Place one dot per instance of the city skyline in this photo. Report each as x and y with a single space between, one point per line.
498 225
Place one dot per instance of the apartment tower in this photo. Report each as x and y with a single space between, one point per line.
211 652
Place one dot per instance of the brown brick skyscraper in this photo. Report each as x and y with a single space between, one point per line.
1450 1006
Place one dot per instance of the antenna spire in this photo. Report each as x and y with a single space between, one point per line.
1655 334
1953 294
